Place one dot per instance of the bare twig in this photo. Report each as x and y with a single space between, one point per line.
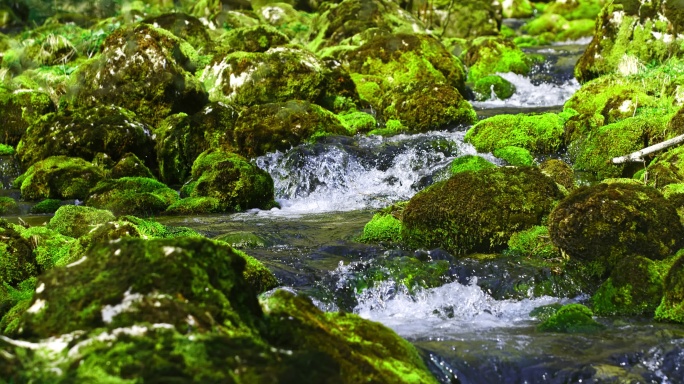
639 155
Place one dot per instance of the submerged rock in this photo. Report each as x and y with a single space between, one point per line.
571 318
478 211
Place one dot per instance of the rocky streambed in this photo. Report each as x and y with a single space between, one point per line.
340 191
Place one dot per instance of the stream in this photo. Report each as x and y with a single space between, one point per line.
469 329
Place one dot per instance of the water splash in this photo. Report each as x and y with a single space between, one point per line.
439 311
343 174
529 95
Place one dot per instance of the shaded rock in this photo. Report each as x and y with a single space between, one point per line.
86 132
17 261
58 177
252 39
280 126
671 307
560 172
130 166
605 223
19 111
186 27
478 211
132 196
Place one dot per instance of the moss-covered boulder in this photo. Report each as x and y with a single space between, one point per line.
478 211
46 206
185 27
571 318
132 196
8 206
280 126
491 55
470 18
534 242
19 111
384 226
278 75
671 307
181 138
536 133
493 87
86 132
605 223
75 220
58 177
635 287
517 9
560 172
667 168
130 166
629 33
233 181
469 163
17 261
515 156
351 17
252 39
144 69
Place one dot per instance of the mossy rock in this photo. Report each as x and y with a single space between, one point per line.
478 211
469 163
46 206
576 9
58 177
6 150
76 221
149 228
605 223
536 133
50 248
491 55
545 311
280 126
547 23
517 9
8 206
628 32
358 122
560 172
256 275
19 111
195 206
242 239
361 350
86 132
130 166
493 86
181 138
17 261
571 318
185 27
667 168
132 196
671 307
472 18
144 69
534 242
283 73
635 287
351 17
674 193
515 156
382 227
252 39
237 184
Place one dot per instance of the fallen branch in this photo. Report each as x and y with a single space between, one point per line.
639 155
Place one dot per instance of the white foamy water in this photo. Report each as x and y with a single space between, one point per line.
450 309
528 95
372 172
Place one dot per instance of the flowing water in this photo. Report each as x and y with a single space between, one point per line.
473 327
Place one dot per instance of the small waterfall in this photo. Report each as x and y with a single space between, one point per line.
530 95
345 173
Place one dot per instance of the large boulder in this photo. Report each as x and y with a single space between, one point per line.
478 211
86 132
144 69
603 224
140 196
19 111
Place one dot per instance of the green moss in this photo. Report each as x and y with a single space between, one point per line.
546 23
256 274
13 303
606 223
233 181
536 133
575 10
253 39
279 126
195 205
514 155
534 242
560 172
17 261
6 150
76 221
491 55
8 205
635 287
132 196
545 312
382 227
58 177
153 229
46 206
392 127
130 166
478 211
667 168
357 122
493 86
20 110
518 9
50 248
469 163
577 29
242 239
571 318
671 307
